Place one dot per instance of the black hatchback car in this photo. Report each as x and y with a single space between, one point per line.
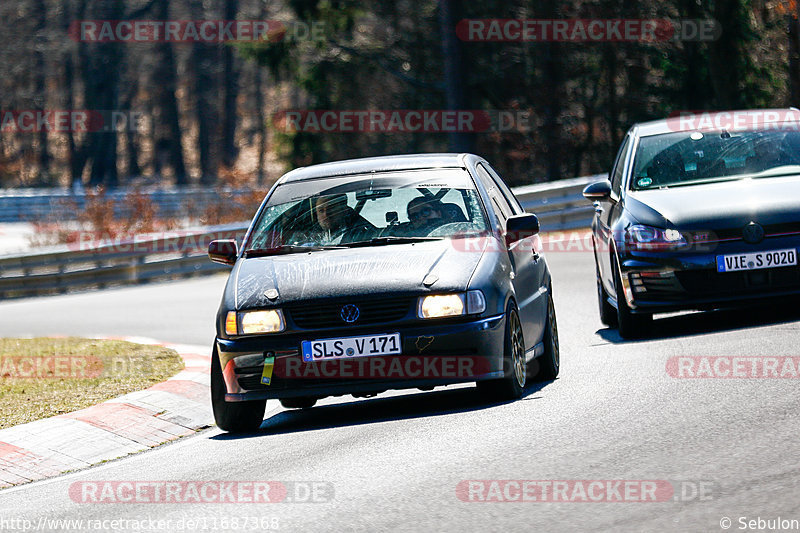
700 212
395 272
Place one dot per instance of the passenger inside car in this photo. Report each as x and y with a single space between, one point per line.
337 222
425 214
767 154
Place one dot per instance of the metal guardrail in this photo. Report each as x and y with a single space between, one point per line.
559 204
179 254
33 205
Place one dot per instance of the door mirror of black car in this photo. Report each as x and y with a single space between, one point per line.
521 227
223 251
599 190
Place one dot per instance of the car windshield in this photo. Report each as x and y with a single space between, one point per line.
689 158
368 209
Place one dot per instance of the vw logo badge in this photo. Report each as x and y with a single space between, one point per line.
349 313
753 233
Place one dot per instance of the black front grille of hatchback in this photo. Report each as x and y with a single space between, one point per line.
712 283
317 315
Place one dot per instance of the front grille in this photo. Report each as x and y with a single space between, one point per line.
710 283
656 284
327 314
770 231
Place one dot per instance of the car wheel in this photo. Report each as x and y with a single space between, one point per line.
298 403
233 417
511 386
630 325
549 363
608 315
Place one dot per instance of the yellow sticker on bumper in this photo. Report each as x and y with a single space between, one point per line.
266 374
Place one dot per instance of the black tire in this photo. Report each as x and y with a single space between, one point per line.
630 325
511 386
233 417
298 403
608 315
546 366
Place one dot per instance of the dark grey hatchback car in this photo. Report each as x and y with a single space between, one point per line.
357 277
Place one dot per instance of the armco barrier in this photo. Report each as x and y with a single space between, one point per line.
63 269
35 205
559 206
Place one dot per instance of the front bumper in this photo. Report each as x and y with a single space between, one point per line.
454 343
658 282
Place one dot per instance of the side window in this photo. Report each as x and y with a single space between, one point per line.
500 205
619 166
509 196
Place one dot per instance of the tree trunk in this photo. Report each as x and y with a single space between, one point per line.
262 126
166 85
794 59
454 79
40 73
131 146
101 93
204 61
230 91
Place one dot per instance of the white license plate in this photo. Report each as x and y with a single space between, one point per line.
756 260
347 347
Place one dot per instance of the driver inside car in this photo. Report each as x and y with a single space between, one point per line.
424 215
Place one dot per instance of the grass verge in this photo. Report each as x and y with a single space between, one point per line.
44 377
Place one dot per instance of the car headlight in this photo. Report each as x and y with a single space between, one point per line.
448 305
254 322
641 237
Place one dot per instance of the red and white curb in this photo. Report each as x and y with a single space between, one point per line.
129 424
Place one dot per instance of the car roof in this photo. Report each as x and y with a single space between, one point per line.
674 123
376 164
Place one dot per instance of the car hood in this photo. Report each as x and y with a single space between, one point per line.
722 205
354 271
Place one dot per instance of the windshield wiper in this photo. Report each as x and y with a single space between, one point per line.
287 249
378 241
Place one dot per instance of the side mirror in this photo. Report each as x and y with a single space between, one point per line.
521 227
599 190
223 251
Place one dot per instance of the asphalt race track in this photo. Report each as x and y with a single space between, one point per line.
728 447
